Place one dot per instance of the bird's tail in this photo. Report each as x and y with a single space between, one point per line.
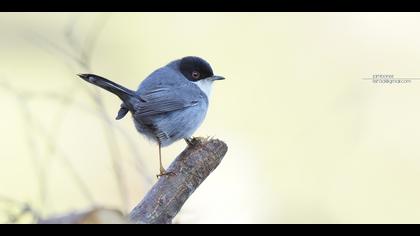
125 94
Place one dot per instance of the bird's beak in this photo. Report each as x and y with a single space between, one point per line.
216 77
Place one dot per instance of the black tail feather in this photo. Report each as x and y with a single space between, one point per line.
123 93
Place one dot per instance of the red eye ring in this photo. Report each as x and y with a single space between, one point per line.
195 74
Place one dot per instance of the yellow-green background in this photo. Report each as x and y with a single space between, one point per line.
309 140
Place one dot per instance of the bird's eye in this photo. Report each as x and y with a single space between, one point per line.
195 74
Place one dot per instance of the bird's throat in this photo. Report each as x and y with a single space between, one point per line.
205 85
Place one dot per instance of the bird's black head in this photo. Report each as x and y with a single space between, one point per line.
195 68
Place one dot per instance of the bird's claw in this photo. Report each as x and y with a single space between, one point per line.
165 173
192 141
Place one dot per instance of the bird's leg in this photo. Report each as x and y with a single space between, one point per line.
163 172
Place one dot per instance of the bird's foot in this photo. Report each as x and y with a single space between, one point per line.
192 141
165 173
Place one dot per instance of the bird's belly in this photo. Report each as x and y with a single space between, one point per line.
172 126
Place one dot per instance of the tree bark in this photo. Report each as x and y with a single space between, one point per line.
166 198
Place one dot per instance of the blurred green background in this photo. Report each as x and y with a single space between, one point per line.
309 140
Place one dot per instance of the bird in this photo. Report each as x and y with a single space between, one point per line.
169 105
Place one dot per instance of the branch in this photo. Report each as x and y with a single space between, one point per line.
168 195
166 198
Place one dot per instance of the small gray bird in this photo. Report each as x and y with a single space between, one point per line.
170 104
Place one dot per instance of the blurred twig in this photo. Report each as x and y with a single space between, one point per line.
36 127
65 100
92 38
81 55
35 154
19 210
85 64
95 215
77 55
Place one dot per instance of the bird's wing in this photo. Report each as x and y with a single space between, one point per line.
162 100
